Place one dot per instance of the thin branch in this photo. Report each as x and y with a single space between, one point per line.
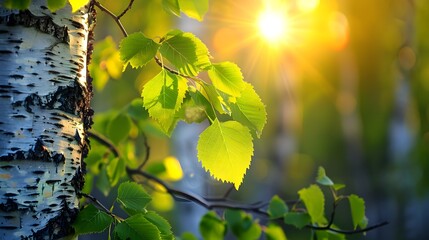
147 152
349 232
104 141
117 20
100 205
197 199
130 4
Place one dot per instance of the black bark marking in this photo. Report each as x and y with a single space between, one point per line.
44 24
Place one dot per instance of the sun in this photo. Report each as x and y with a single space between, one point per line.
272 25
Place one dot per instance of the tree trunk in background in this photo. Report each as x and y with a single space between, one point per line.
44 103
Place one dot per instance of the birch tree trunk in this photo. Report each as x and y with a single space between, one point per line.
44 113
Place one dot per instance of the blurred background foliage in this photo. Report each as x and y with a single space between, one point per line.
347 88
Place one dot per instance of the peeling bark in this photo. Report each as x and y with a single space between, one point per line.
44 103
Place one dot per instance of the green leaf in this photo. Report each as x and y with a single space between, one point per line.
171 6
103 182
274 232
192 112
137 50
329 235
194 8
211 227
227 78
133 197
201 100
115 170
77 4
297 219
163 226
242 225
137 227
119 128
322 178
225 149
91 220
215 99
277 207
338 186
249 110
17 4
357 206
163 96
136 111
54 5
188 236
186 52
314 201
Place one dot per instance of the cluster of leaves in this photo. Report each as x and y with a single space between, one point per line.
308 212
226 146
140 223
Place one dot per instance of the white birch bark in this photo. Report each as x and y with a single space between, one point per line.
44 112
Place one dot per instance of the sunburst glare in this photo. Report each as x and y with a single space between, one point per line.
272 25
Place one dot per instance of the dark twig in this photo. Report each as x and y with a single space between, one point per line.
104 141
100 205
349 232
116 18
130 4
147 152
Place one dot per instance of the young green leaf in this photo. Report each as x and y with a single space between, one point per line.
91 220
163 96
277 207
314 201
216 100
171 6
194 8
162 225
119 128
227 78
137 50
357 206
54 5
274 232
186 52
17 4
297 219
211 227
137 227
115 170
77 4
338 186
322 178
225 149
187 236
133 197
242 225
249 110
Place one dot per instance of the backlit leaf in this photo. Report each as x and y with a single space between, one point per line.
162 225
137 50
163 96
225 150
274 232
227 78
277 207
77 4
216 100
119 128
133 197
171 6
322 178
242 225
91 220
249 110
137 227
314 201
357 206
194 8
329 235
186 52
54 5
115 169
211 227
